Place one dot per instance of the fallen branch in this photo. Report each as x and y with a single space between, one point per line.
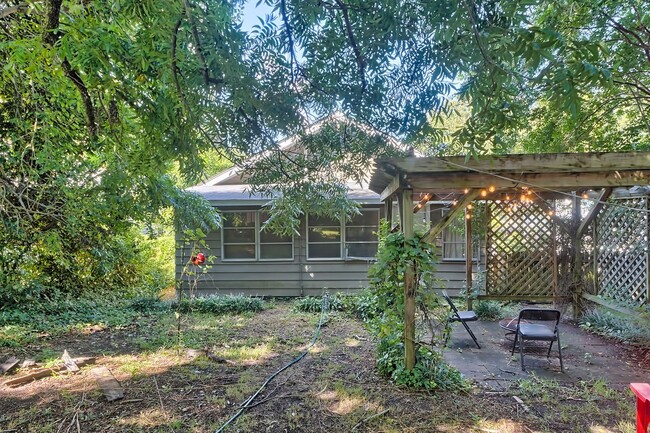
162 406
370 418
45 372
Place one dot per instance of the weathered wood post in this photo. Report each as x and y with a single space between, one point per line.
468 257
576 246
388 211
406 213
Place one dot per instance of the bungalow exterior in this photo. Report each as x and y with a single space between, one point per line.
325 254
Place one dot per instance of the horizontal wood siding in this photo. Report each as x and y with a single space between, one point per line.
300 277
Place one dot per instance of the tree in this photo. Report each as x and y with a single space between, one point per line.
99 100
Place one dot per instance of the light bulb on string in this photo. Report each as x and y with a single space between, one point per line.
585 195
483 193
492 188
469 206
468 216
466 190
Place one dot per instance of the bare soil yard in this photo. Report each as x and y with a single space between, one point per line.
334 389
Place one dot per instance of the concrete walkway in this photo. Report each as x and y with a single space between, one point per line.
585 357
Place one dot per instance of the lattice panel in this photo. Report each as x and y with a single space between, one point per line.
519 251
621 251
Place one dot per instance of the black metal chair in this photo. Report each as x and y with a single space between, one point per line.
527 329
461 316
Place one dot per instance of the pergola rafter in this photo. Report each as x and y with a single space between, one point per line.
549 175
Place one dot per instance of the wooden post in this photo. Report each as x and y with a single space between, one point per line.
576 274
406 214
468 257
594 236
647 253
555 269
388 211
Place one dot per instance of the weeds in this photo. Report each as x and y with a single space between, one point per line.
633 329
488 310
229 304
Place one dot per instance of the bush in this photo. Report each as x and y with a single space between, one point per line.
632 329
219 304
488 310
147 304
312 304
430 372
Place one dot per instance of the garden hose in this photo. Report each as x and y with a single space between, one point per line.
324 308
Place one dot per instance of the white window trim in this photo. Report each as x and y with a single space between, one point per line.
258 242
342 242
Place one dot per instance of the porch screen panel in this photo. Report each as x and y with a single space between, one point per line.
361 235
622 251
274 246
239 235
519 250
323 237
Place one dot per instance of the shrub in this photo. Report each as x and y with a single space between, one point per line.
313 304
148 304
488 310
220 304
632 329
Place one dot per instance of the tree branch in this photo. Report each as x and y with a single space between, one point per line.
289 32
207 79
51 35
20 8
361 63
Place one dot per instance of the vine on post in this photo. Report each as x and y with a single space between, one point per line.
395 255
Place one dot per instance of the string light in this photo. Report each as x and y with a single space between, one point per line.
492 188
585 195
469 206
466 190
468 216
551 213
483 193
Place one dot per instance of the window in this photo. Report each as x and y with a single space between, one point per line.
323 237
243 239
452 239
239 230
361 234
329 238
273 246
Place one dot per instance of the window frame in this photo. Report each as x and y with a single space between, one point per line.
345 242
343 256
257 241
444 232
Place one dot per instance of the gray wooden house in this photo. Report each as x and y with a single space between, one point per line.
326 254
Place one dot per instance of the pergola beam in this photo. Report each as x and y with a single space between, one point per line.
528 163
548 181
600 202
456 210
395 185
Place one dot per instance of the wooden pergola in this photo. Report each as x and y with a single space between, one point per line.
494 179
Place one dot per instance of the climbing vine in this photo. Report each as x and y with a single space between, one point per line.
395 256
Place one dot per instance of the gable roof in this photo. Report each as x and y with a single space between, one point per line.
233 175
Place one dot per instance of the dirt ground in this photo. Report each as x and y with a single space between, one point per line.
335 388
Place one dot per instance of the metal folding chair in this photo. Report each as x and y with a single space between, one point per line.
527 329
461 316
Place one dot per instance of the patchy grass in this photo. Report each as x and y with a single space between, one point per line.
336 388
